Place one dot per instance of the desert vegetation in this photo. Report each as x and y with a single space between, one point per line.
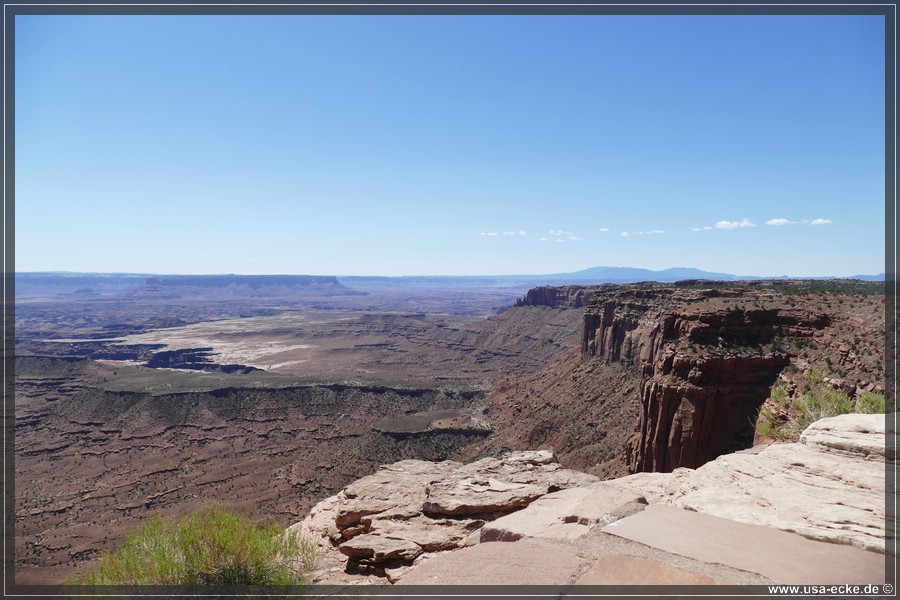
784 417
214 547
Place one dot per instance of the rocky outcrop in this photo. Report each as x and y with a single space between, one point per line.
567 296
708 359
739 519
381 523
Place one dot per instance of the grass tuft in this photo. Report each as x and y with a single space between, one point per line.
215 547
818 401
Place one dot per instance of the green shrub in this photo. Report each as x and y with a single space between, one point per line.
819 401
871 402
778 395
765 423
215 547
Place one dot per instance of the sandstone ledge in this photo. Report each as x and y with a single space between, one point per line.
416 522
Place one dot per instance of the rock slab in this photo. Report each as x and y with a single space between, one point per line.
830 486
522 563
777 555
618 569
566 514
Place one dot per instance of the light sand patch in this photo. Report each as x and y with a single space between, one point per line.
252 341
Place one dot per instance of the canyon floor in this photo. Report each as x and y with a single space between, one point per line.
137 401
128 405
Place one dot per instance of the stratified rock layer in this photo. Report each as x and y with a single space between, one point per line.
708 358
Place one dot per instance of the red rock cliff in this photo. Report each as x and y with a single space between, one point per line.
569 296
708 359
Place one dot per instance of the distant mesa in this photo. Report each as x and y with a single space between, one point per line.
85 292
592 276
180 286
46 285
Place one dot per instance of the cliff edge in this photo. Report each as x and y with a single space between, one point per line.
743 518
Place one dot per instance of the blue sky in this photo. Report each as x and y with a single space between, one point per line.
450 145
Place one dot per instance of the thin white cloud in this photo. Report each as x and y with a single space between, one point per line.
707 228
821 222
625 234
519 233
734 224
695 229
603 229
780 221
544 239
558 235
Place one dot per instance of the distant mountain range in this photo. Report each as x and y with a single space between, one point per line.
45 284
592 276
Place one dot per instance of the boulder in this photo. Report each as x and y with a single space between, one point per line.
493 486
394 490
379 548
479 496
861 436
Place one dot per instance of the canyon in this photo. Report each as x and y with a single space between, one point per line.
163 398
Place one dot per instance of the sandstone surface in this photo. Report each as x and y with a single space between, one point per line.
741 518
813 488
566 514
523 563
769 552
620 569
382 522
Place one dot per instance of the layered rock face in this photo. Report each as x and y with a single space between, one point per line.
567 296
674 375
708 360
